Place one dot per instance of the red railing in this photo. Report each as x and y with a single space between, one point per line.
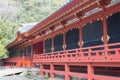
18 58
110 52
13 59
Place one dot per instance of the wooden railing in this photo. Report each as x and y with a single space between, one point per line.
18 58
110 52
13 59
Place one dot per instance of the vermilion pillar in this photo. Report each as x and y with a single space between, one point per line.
33 65
44 44
80 34
52 49
64 41
52 70
104 29
67 70
90 70
41 70
105 32
64 22
79 15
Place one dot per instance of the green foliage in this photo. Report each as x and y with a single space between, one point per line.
3 52
15 12
37 9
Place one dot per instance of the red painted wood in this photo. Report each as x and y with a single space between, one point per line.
52 71
64 9
59 72
67 70
41 70
90 70
74 57
83 75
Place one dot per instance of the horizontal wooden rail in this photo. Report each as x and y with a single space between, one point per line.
83 75
45 70
59 72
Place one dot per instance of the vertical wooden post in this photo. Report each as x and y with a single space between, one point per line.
90 71
105 32
41 70
67 70
33 65
64 41
52 71
63 23
52 43
79 15
44 46
80 35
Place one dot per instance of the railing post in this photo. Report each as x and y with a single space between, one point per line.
52 71
106 54
66 55
89 53
81 54
67 70
41 70
90 70
33 65
77 54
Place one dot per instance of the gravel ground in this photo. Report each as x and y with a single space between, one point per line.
34 74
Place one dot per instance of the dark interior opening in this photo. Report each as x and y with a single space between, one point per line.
47 67
92 33
38 48
48 45
113 23
109 71
78 69
29 50
60 67
58 42
25 51
72 39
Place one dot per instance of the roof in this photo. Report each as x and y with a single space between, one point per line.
24 27
67 11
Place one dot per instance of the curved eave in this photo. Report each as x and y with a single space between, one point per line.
57 16
13 43
10 44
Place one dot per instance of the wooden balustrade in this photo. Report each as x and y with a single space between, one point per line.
93 53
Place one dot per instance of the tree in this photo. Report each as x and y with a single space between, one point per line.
15 12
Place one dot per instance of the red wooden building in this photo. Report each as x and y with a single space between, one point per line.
81 39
